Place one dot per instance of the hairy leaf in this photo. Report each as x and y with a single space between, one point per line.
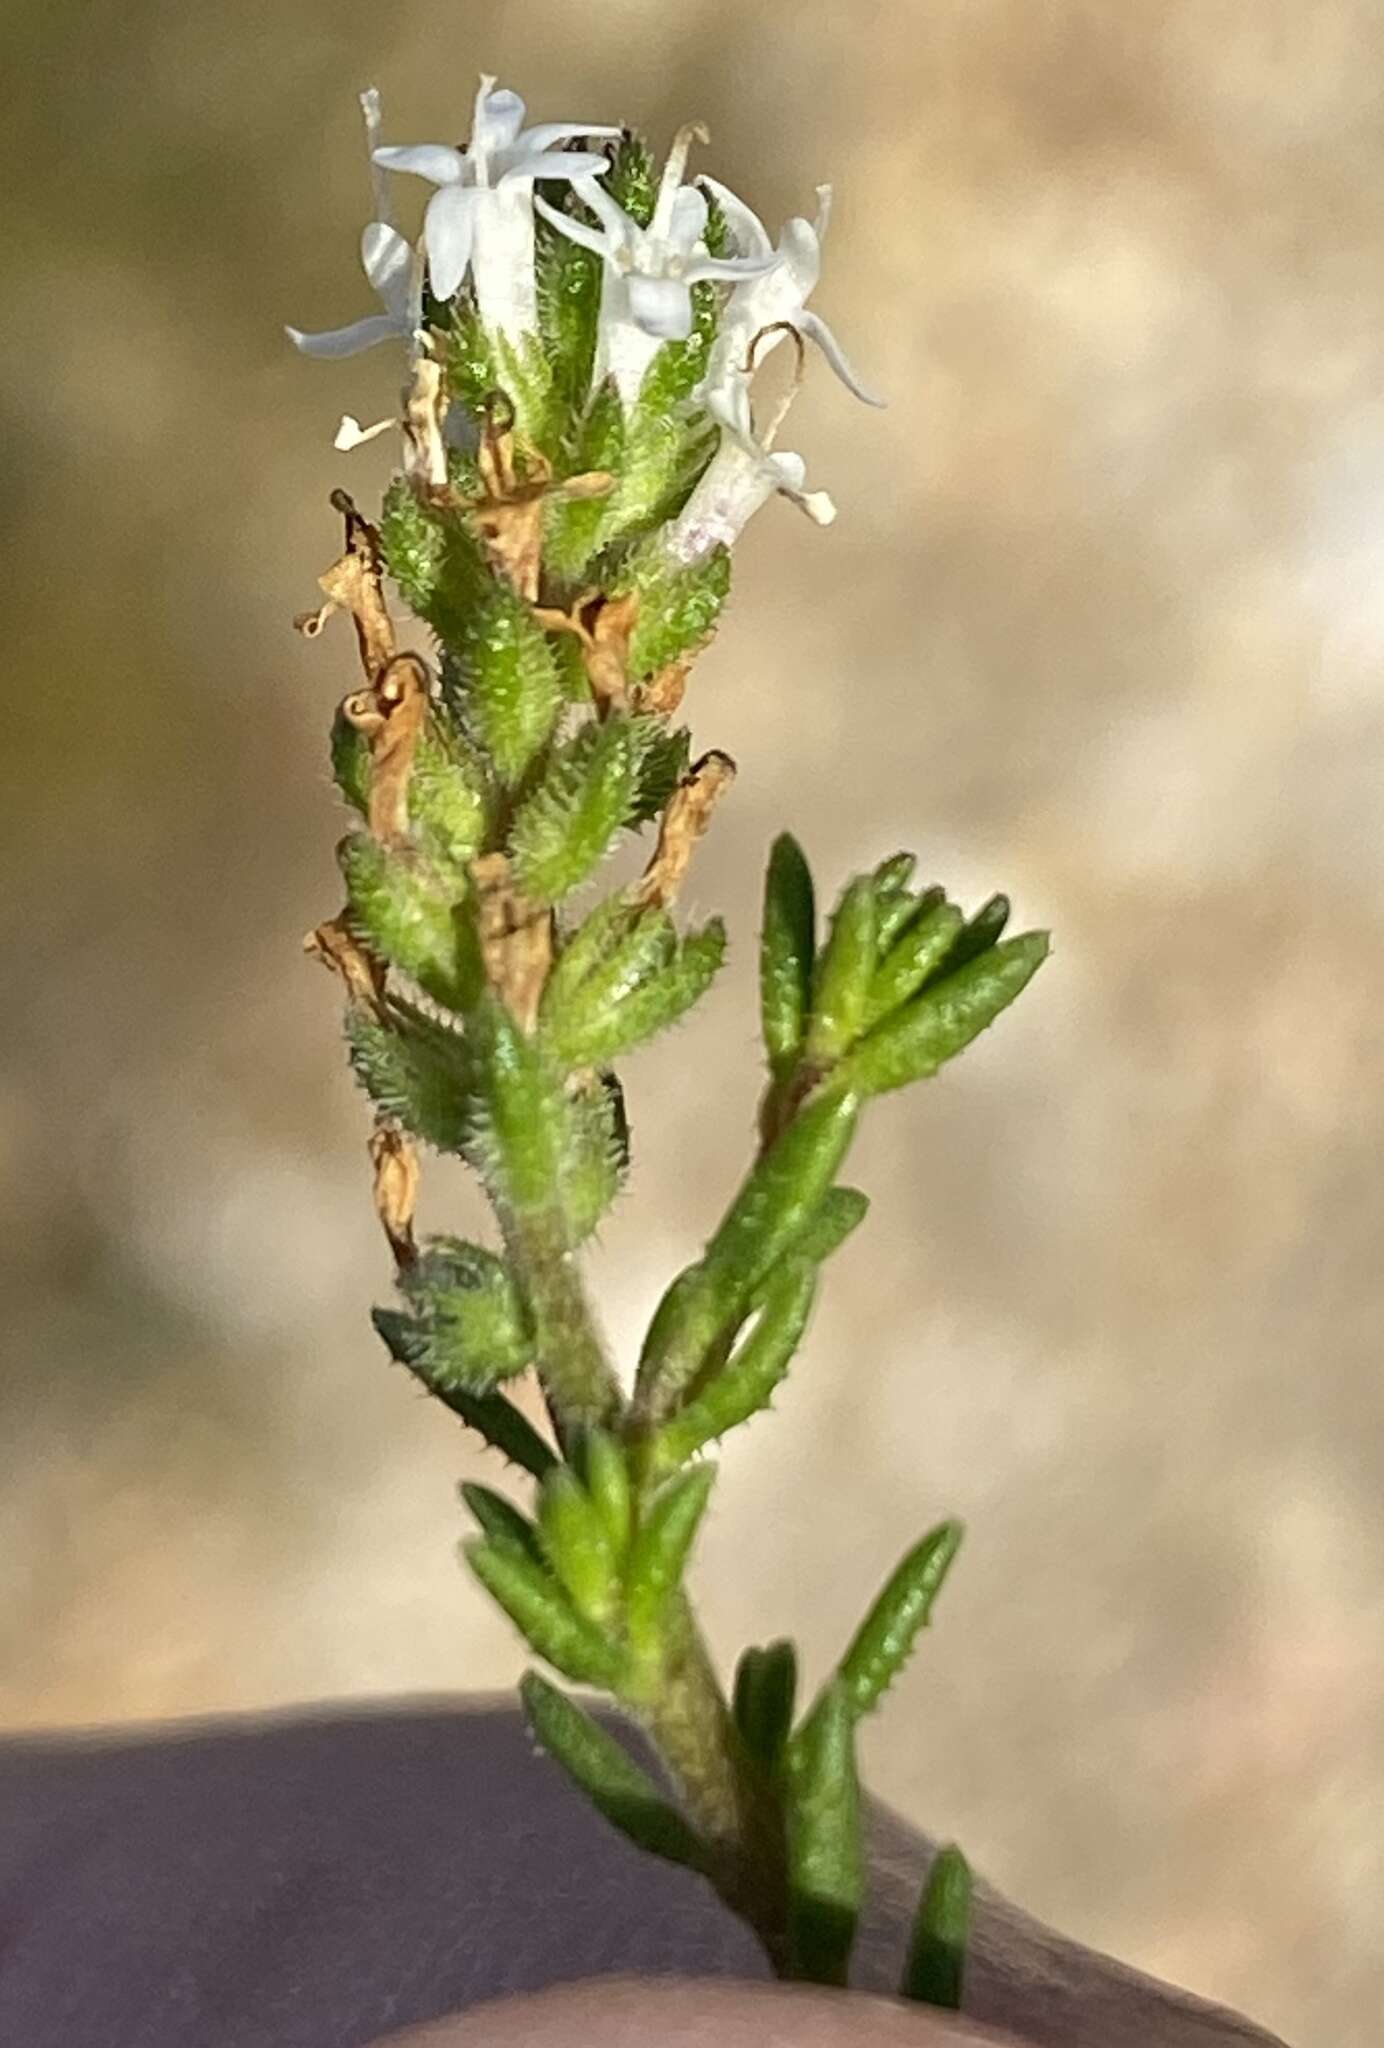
658 1558
493 1418
885 1639
943 1020
501 1522
564 829
576 1541
786 953
826 1857
615 1784
745 1383
543 1614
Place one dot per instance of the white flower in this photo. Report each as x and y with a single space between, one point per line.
742 476
481 216
646 296
761 311
387 261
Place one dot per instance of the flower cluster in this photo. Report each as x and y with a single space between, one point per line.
504 203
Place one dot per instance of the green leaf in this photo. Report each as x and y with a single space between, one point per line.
745 1383
474 1329
501 1521
658 1557
406 909
527 1122
898 910
923 944
512 693
566 827
841 1212
493 1418
617 1787
576 1541
766 1684
940 1022
662 766
543 1614
606 1475
786 953
842 982
678 608
885 1639
595 1155
448 795
937 1953
417 1071
826 1859
979 934
778 1201
603 1020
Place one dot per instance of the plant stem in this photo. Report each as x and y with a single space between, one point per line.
576 1375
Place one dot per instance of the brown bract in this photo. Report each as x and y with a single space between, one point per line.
604 626
392 716
508 515
516 939
355 584
336 947
395 1163
425 409
683 822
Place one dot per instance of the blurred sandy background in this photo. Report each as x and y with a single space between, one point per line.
1102 621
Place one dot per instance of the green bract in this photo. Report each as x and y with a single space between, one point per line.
580 457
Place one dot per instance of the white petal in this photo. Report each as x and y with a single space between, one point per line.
346 341
661 306
613 218
549 132
351 434
436 161
746 225
816 329
387 260
578 231
449 228
823 220
497 119
686 219
555 164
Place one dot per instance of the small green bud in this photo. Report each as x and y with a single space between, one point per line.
678 608
527 1113
943 1020
826 1861
936 1962
576 1542
471 1314
543 1614
513 693
658 1558
786 953
407 910
885 1639
605 1019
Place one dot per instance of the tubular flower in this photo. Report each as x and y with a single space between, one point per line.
480 219
387 261
646 296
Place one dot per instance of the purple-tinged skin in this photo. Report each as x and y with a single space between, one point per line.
341 1877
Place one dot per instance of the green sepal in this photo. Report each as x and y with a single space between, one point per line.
609 955
449 798
604 1019
678 608
940 1022
632 180
511 690
474 1328
766 1686
415 544
977 936
472 371
595 1154
662 766
826 1855
566 827
787 950
526 376
543 1614
885 1639
528 1124
934 1972
407 910
841 985
492 1416
576 1542
658 1557
619 1789
572 527
418 1071
745 1383
605 1474
350 756
500 1521
568 281
921 947
778 1201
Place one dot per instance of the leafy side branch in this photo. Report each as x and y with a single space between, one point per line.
581 451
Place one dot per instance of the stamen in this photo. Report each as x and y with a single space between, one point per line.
694 131
379 177
785 405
